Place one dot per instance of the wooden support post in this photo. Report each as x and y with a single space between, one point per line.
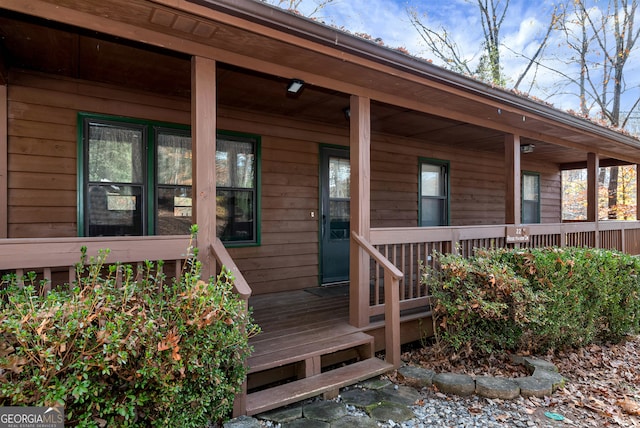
360 157
203 136
4 144
593 169
512 179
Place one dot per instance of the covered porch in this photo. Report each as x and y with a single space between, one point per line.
226 66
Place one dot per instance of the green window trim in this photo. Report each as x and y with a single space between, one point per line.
150 188
527 204
442 168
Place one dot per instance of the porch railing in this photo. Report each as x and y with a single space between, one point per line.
407 248
391 276
55 259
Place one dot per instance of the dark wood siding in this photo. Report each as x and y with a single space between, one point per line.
42 173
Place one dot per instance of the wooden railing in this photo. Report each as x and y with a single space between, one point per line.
408 248
392 276
55 259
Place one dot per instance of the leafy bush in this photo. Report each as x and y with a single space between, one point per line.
129 352
534 300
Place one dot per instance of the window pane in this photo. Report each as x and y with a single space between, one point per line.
235 215
174 210
339 215
339 178
235 164
174 159
114 210
530 187
433 180
115 154
434 212
530 212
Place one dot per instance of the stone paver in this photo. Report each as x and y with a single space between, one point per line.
326 411
354 421
283 414
242 422
556 379
400 394
390 412
306 423
360 398
532 364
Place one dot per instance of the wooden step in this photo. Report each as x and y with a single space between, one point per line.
287 354
302 389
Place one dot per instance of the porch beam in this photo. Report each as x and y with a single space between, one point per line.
203 136
593 167
512 179
360 206
4 199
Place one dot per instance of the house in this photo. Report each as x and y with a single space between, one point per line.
308 157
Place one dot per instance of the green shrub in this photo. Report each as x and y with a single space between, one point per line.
534 300
139 353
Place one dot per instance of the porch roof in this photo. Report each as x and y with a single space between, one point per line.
260 47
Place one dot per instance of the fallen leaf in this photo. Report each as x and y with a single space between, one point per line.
629 406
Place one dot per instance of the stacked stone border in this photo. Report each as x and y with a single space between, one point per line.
542 381
380 400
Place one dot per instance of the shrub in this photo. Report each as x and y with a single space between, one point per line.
138 353
534 300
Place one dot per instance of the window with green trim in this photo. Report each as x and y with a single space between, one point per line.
434 192
530 197
136 179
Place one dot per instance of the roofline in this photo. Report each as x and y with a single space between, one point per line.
300 26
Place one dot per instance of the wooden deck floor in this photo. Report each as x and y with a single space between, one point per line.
301 315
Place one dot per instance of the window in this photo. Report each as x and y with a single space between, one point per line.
135 178
236 191
530 197
434 192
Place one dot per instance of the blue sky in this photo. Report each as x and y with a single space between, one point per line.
521 31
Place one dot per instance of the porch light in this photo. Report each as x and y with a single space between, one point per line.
527 148
295 86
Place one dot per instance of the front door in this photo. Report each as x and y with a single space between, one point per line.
335 174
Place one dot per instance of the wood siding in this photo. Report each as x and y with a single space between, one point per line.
42 195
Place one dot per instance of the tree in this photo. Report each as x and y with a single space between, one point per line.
488 68
600 42
295 5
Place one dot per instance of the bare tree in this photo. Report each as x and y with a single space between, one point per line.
294 6
489 68
601 42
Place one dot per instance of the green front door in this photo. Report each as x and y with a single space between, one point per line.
335 173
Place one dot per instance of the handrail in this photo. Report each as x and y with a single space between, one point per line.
392 276
223 258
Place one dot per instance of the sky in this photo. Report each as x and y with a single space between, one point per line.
522 30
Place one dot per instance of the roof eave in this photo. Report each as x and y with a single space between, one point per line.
303 27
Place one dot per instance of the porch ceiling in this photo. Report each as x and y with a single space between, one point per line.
40 45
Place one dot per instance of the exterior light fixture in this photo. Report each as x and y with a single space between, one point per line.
347 113
295 86
527 148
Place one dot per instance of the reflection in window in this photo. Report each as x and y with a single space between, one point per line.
530 198
434 193
236 190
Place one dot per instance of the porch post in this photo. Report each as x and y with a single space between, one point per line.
4 200
512 197
360 148
203 137
593 168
